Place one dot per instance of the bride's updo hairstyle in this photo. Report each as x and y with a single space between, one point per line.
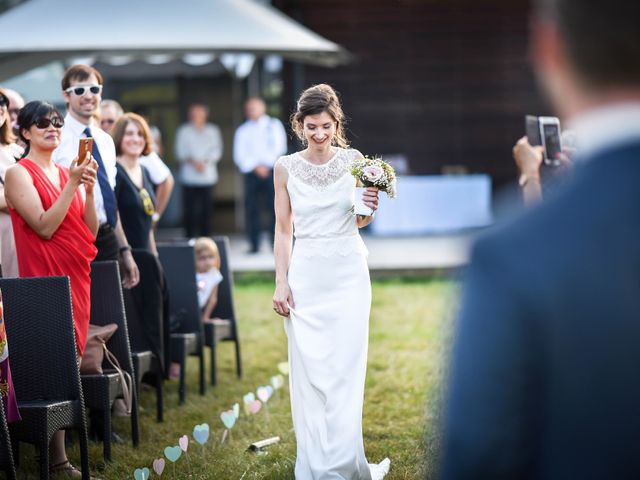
315 100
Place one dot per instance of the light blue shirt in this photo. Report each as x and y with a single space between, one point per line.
259 142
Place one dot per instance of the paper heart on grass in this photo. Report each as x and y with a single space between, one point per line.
201 433
263 394
184 443
277 381
173 453
228 418
283 368
141 473
158 465
255 406
249 397
236 409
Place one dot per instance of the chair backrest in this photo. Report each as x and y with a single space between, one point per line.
225 308
107 306
179 264
41 334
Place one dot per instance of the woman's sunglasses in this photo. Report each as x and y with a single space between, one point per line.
45 122
82 90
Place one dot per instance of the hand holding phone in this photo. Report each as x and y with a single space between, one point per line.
85 146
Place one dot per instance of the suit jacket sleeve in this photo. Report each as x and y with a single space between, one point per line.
491 394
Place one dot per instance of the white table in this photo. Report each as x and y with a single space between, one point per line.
434 204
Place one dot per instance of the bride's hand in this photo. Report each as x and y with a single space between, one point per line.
370 198
282 299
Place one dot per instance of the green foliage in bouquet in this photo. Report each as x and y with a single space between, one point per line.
375 172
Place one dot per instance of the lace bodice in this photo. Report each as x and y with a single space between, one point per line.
321 198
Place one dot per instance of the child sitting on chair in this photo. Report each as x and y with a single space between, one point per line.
208 275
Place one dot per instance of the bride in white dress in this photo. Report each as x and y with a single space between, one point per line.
323 290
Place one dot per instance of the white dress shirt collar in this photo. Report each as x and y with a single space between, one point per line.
606 127
76 127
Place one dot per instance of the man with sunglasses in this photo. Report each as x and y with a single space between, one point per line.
82 88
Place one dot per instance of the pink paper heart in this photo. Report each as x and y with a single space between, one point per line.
158 465
255 406
184 443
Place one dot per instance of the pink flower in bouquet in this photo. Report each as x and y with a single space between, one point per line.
373 173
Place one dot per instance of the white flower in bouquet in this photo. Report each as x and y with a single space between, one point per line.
375 172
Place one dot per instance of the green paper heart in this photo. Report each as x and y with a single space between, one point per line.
173 453
228 418
141 474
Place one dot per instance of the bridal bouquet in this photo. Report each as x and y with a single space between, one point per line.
372 172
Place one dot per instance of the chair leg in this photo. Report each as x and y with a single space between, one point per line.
44 456
106 419
183 369
160 399
238 359
214 366
203 383
83 437
135 427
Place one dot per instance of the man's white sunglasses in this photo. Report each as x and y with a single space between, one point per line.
81 90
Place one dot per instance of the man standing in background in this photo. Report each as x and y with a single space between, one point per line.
257 144
198 149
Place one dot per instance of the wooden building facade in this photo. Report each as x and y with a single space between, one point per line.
443 82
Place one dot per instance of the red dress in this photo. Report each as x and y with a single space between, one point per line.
69 251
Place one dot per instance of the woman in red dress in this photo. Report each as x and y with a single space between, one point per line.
55 223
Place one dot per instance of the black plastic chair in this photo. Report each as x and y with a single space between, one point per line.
44 366
147 330
224 327
178 262
100 391
6 454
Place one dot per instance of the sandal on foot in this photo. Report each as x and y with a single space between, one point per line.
65 468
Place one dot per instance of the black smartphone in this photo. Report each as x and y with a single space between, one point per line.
532 130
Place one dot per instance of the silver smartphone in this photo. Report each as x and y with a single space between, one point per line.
550 137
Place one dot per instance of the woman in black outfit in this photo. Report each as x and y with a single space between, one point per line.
134 189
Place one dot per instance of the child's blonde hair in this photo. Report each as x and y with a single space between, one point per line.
206 244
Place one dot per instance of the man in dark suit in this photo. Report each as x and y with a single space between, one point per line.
545 376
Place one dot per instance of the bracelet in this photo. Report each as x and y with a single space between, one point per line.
126 248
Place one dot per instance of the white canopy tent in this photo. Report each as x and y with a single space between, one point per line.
41 31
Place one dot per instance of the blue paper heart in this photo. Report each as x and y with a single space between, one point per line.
141 473
201 433
173 453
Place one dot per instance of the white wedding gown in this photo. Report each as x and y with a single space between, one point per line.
328 329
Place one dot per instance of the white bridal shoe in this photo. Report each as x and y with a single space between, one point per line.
379 470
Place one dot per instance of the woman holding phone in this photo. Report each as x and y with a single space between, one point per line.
55 223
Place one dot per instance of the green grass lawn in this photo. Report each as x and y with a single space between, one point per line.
408 328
